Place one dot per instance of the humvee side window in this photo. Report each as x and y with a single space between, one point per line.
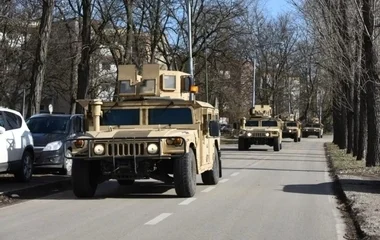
269 123
120 117
148 86
170 116
252 123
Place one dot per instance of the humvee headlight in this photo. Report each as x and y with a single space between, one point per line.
170 141
249 134
99 149
290 131
152 148
267 134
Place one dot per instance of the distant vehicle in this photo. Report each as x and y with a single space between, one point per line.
49 133
312 129
154 130
292 129
260 129
16 145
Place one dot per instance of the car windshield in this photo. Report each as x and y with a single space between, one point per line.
291 124
120 117
170 116
49 124
252 123
269 123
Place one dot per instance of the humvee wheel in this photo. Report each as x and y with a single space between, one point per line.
295 139
299 139
211 177
126 182
185 175
243 144
276 145
84 184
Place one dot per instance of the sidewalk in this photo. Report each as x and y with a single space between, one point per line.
361 187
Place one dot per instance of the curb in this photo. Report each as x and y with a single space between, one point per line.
353 222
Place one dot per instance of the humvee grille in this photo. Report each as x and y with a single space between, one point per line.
125 149
258 135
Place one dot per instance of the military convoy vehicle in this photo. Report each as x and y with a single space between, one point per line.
153 131
313 128
292 128
260 129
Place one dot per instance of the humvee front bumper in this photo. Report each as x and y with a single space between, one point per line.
124 148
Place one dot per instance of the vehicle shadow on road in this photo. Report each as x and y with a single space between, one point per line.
363 186
274 159
274 169
111 189
249 150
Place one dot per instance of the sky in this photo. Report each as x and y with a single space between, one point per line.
276 6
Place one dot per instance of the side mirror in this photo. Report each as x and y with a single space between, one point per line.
2 130
214 129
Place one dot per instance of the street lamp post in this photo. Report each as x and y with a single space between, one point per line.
190 46
254 84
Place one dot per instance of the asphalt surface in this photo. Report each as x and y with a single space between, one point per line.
263 195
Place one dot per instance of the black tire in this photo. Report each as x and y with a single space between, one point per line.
299 139
84 181
241 144
211 177
295 139
319 135
24 174
185 175
67 164
276 145
126 182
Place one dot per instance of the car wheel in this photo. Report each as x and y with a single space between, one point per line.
67 163
24 174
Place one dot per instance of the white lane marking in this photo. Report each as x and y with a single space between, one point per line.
208 189
187 201
235 174
224 180
158 219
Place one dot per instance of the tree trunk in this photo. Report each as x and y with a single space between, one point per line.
372 87
39 65
356 114
84 65
362 138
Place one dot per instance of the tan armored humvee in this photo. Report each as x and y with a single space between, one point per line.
261 129
152 131
313 128
292 128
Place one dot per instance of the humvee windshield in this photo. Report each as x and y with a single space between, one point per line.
252 123
291 124
269 123
120 117
309 125
170 116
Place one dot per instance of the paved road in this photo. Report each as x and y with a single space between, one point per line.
263 195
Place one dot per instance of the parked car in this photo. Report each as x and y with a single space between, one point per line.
16 145
49 132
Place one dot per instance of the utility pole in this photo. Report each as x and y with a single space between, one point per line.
254 84
192 97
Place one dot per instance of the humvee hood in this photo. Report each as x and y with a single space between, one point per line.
141 133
